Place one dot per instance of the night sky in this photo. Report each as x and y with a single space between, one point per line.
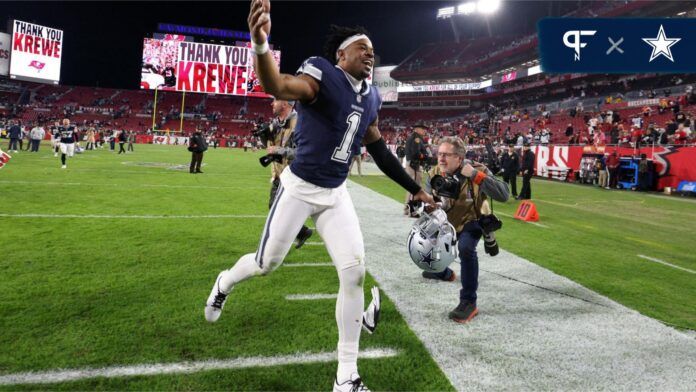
103 40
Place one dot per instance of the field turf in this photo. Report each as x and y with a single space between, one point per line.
109 263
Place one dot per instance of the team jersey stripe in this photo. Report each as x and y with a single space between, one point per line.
311 70
267 228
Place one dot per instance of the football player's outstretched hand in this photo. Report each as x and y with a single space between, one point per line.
259 20
424 197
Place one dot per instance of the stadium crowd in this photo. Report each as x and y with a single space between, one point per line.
588 111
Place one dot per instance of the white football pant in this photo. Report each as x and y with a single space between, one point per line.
337 223
67 149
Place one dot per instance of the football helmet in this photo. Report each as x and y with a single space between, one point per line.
432 242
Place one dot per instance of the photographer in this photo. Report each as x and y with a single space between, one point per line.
197 146
511 165
462 187
281 151
527 169
416 156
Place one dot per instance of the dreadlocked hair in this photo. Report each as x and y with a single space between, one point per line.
338 34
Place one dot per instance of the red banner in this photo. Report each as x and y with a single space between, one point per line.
200 68
672 163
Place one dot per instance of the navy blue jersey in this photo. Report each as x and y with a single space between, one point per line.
67 134
330 129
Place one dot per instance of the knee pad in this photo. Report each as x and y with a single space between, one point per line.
352 276
269 264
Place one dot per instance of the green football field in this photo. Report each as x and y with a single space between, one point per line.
108 264
114 282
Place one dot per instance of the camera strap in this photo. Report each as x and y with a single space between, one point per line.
474 195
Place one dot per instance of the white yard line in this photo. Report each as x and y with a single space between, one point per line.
309 297
666 263
525 337
126 186
181 367
90 216
531 223
673 198
314 243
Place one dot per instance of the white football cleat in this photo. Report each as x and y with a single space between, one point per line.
354 384
216 301
63 167
371 314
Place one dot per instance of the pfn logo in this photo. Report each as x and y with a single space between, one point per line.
576 44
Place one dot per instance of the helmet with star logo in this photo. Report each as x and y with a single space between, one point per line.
432 242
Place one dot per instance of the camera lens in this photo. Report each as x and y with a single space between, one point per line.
437 182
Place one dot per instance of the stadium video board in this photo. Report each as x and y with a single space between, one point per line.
5 47
385 84
179 65
36 52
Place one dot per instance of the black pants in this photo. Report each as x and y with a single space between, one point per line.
35 145
643 182
613 178
120 148
13 144
526 192
196 160
511 179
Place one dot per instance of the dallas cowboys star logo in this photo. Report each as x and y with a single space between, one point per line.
427 258
661 45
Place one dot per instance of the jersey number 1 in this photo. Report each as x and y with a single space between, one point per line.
342 152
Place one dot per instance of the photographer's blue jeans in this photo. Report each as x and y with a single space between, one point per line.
467 241
469 263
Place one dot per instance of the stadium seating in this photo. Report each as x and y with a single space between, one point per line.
235 116
474 58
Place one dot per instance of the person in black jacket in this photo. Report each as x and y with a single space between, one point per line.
527 172
416 154
510 163
15 135
197 146
122 138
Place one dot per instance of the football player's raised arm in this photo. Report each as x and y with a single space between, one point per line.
281 86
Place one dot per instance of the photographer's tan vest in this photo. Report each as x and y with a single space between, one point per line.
281 140
462 210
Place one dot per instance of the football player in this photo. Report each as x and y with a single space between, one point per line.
337 113
68 137
55 138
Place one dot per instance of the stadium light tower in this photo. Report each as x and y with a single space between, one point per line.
479 7
444 13
466 8
487 7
